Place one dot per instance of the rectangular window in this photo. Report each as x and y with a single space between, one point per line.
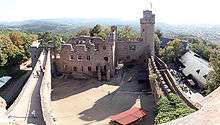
88 57
79 58
96 68
89 68
74 68
132 47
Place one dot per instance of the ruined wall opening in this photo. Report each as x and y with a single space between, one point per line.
79 58
104 47
74 68
89 68
106 59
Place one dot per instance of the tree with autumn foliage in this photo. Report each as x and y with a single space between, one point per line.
14 47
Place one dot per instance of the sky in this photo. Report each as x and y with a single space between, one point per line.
166 11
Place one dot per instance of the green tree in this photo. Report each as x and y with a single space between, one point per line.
171 107
45 38
127 33
172 51
201 48
57 40
49 38
213 79
83 32
95 30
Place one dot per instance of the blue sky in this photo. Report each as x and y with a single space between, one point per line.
167 11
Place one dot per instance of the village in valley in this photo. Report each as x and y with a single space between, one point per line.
107 75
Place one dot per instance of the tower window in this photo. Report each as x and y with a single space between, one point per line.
88 57
142 30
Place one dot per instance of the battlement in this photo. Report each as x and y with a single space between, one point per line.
148 17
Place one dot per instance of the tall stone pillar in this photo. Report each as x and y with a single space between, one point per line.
108 73
99 73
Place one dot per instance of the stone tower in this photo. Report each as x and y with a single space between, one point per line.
147 31
113 38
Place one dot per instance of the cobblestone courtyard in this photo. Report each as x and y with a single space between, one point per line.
90 102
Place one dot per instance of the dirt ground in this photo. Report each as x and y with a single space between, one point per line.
90 102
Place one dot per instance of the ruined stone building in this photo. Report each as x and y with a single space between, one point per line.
99 58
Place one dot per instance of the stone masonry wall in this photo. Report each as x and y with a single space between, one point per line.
11 108
129 50
45 92
96 53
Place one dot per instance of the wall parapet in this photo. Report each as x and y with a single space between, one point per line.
45 92
172 84
154 82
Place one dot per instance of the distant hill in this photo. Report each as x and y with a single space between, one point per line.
70 26
63 25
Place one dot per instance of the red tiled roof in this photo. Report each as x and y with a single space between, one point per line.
128 116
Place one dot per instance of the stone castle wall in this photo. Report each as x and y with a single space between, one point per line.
129 51
85 55
45 92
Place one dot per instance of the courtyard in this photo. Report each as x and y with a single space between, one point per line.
91 102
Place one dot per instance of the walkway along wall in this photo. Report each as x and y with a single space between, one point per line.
11 108
45 92
177 89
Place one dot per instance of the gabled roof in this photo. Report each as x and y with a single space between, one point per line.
195 66
4 80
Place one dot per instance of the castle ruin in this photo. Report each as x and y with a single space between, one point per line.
99 58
